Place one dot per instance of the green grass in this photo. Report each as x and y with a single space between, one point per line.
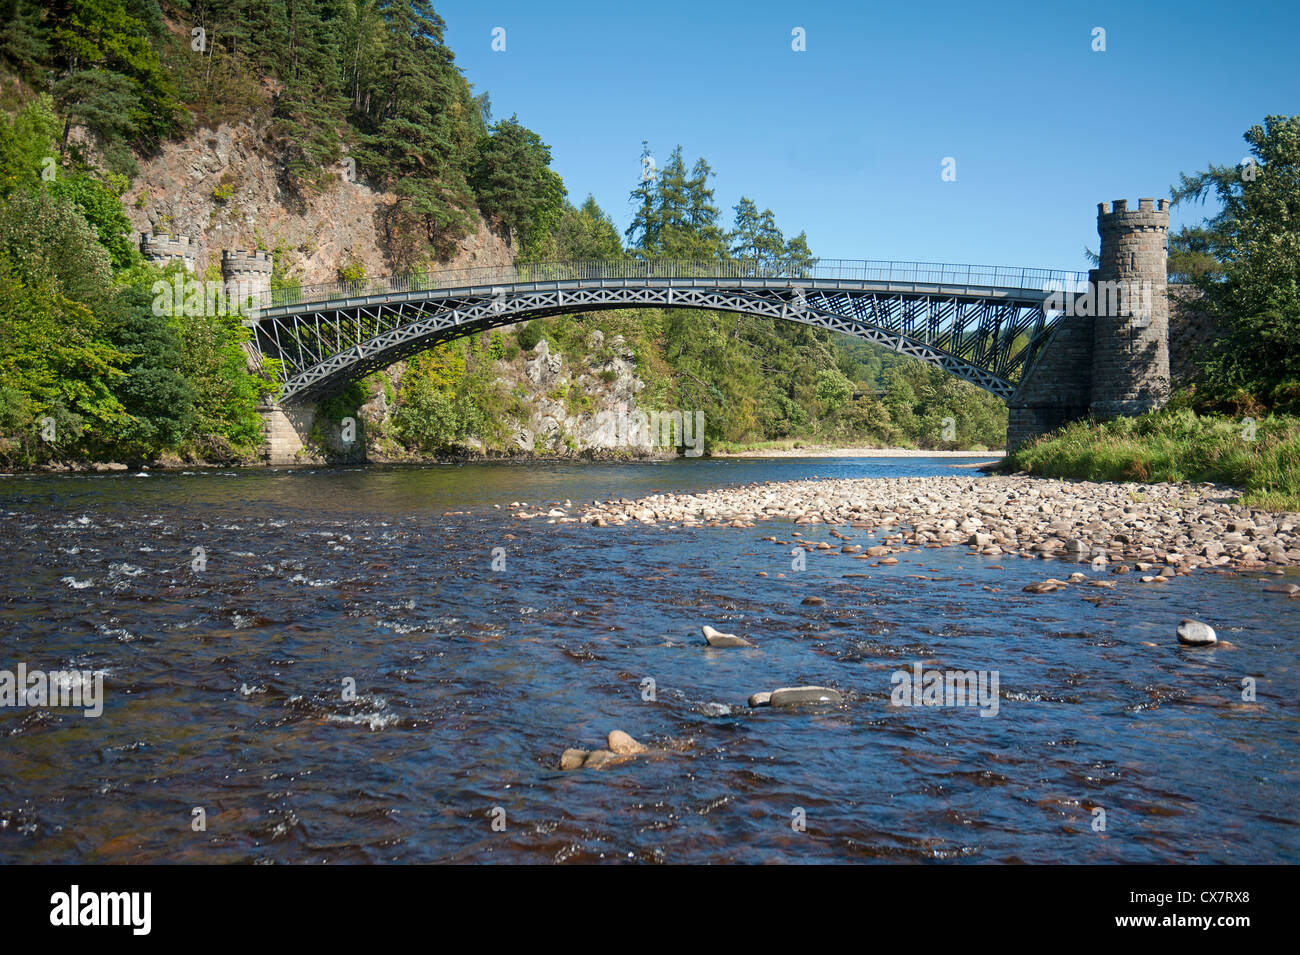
1261 458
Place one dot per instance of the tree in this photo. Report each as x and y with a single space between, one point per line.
833 389
418 127
754 235
643 232
1191 256
587 233
153 391
53 363
1256 237
49 241
515 185
22 42
118 37
100 204
103 102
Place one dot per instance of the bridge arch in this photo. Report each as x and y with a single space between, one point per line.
982 324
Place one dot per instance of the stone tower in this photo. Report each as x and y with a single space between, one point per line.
1130 332
245 275
163 248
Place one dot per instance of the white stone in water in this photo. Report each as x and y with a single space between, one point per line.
1196 634
760 699
623 744
718 639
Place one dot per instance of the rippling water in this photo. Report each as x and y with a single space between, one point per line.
224 688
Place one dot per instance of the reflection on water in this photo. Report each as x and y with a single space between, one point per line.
225 688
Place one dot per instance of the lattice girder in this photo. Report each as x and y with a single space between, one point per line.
985 338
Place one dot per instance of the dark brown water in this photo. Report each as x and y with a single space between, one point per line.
223 688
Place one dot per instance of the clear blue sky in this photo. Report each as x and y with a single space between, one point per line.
846 139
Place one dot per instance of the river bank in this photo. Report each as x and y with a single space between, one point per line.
595 456
1259 456
1156 526
820 451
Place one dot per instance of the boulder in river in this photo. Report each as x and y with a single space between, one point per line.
760 699
1196 634
624 745
573 758
803 695
598 758
718 639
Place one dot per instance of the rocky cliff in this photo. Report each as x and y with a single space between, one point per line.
224 188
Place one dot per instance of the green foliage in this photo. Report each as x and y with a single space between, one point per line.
1254 290
100 204
49 240
104 51
226 422
676 218
528 334
352 272
436 406
833 389
515 185
104 103
345 402
159 399
1191 255
756 236
586 233
54 364
1175 444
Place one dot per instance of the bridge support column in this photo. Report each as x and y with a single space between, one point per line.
287 428
1057 388
1109 354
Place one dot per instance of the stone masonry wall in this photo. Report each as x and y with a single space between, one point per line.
1130 359
1057 388
1190 329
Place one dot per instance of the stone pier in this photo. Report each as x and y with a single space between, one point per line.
286 427
1109 354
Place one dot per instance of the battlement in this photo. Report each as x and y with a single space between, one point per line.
163 247
1151 214
236 261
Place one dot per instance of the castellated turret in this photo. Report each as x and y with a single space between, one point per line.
246 274
161 248
1130 359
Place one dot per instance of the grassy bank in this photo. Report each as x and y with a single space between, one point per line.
1262 457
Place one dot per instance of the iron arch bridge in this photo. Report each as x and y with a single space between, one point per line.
981 323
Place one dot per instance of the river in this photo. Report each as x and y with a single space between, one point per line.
229 732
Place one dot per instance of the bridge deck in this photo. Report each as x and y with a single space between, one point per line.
974 281
983 292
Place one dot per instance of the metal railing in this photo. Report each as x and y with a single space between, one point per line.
923 273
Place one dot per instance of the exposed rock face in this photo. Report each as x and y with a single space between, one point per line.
223 188
612 424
